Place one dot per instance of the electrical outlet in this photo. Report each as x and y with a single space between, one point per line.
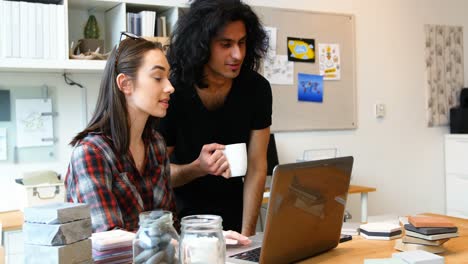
379 110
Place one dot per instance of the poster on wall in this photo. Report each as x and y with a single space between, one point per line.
34 127
329 61
309 88
271 32
278 70
301 49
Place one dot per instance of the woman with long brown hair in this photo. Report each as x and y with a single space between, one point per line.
119 164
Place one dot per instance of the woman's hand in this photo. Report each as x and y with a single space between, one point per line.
234 238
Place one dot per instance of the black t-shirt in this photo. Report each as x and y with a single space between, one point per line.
188 126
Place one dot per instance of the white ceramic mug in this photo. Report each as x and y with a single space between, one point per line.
236 155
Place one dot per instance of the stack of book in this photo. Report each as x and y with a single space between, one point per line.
32 30
426 233
57 233
113 247
145 23
380 231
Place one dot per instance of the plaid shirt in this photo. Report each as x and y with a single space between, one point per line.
113 187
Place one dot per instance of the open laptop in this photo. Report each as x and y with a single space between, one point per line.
305 213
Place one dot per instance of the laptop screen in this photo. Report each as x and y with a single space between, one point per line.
306 207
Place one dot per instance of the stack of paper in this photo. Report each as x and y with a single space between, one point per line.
419 257
385 261
113 246
410 257
57 233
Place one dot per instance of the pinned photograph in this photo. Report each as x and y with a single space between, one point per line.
301 49
310 87
271 32
329 61
278 70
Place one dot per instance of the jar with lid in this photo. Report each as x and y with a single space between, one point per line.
156 240
202 240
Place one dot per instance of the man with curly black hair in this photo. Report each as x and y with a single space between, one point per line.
220 99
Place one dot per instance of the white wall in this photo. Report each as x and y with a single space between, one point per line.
69 122
398 155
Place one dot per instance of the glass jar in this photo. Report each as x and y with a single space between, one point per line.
156 240
202 240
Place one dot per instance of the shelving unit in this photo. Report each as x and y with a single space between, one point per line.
51 66
111 17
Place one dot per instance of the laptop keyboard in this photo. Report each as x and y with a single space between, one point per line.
251 255
254 254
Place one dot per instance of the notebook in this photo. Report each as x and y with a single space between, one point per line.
431 230
429 221
431 237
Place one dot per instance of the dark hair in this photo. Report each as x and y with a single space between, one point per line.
189 50
110 116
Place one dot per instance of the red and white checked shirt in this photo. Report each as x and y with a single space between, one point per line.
112 186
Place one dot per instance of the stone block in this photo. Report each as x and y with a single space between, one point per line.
56 235
77 253
57 213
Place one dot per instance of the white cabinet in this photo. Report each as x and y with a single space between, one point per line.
14 246
456 175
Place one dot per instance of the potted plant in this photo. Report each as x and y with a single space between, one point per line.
91 42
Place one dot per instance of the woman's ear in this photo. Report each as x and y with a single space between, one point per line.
124 83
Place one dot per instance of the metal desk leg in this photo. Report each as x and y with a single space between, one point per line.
364 207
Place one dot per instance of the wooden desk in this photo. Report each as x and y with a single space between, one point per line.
358 249
12 220
363 190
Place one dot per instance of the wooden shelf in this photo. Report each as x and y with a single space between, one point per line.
31 65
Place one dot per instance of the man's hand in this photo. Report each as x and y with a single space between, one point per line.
212 160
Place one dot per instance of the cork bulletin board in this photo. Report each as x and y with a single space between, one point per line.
338 108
